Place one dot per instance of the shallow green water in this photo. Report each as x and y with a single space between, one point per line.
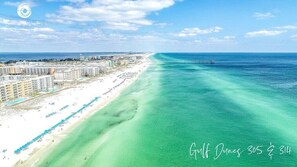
172 105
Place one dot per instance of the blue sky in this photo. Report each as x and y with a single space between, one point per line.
150 25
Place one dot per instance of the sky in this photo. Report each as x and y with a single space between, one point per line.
149 25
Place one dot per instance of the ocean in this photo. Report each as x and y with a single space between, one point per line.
240 110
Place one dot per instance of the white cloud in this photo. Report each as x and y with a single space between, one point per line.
263 15
44 37
121 26
71 1
114 13
263 33
162 25
191 32
15 4
46 29
18 22
23 31
294 37
229 37
222 40
8 3
287 27
13 40
53 36
197 41
12 31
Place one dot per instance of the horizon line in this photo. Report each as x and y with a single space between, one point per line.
148 52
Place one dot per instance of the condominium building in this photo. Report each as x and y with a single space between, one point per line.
122 62
11 70
89 71
28 68
14 77
12 87
3 94
67 75
33 70
42 83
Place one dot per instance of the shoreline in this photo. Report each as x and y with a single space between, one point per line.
113 83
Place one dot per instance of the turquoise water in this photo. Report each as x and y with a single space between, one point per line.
246 102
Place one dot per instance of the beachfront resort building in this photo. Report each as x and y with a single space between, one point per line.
42 83
33 70
25 70
25 78
10 70
14 77
66 76
13 87
89 70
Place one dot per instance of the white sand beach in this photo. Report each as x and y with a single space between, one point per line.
22 123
